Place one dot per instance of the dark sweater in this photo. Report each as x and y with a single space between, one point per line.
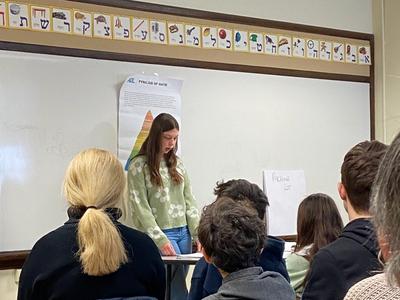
52 270
206 278
341 264
254 284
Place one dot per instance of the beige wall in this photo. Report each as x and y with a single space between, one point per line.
355 15
8 286
386 24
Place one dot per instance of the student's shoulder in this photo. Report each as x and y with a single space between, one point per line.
61 233
296 260
213 297
200 268
338 249
328 258
180 165
277 282
56 241
179 162
138 162
274 275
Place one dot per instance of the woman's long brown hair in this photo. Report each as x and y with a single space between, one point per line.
318 223
152 145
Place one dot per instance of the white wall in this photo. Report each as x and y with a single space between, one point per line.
355 15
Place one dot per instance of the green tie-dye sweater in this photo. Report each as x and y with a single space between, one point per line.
155 208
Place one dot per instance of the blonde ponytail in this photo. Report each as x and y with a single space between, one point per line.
95 180
101 248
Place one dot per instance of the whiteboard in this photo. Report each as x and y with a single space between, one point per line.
234 125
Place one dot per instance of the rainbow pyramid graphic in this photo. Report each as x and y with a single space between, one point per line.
144 132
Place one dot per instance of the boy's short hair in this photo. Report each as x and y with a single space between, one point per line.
240 189
359 169
231 234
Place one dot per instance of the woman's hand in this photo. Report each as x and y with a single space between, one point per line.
197 246
168 250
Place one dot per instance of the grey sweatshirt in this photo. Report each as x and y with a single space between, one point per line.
255 284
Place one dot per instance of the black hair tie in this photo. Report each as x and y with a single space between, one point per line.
77 211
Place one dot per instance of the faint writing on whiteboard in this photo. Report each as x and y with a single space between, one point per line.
285 180
56 143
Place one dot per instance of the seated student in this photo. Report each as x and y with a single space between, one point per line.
206 279
354 255
385 209
232 236
93 256
318 224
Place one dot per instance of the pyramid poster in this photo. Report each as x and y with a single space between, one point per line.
141 99
141 137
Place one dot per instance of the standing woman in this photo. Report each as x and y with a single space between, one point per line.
93 256
161 197
318 224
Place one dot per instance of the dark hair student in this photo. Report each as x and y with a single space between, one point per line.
385 209
353 256
232 236
206 278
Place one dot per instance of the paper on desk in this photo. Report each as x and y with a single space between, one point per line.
191 255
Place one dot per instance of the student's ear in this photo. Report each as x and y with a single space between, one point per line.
342 191
343 194
384 246
206 257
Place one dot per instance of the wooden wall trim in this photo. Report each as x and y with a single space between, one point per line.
13 259
288 238
372 88
16 259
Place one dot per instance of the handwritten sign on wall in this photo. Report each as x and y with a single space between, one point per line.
285 190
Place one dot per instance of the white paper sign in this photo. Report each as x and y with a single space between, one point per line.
285 191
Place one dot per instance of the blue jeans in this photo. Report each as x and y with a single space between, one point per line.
182 242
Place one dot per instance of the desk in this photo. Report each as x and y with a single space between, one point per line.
169 261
